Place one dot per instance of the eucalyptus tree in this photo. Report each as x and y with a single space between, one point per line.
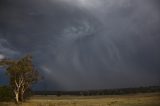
22 75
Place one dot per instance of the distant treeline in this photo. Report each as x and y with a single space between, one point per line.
120 91
6 93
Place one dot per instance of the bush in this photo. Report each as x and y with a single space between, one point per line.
5 93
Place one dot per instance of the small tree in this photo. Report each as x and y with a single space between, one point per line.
22 75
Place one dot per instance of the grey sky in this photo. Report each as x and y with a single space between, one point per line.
85 44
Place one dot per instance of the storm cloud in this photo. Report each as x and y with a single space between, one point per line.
85 44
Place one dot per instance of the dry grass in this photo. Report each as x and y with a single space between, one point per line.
151 99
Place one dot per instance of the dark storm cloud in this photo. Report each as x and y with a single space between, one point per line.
84 44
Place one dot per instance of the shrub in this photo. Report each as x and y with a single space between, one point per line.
5 93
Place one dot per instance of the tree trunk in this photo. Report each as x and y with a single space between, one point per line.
17 97
22 96
22 91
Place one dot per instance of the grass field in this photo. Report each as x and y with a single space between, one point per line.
149 99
